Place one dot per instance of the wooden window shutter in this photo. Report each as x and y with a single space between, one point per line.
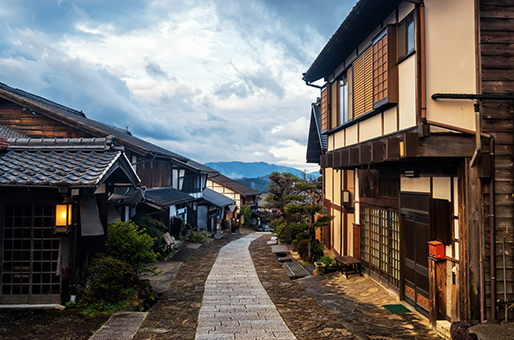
368 80
325 108
358 86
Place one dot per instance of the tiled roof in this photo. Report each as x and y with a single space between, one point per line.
365 16
3 143
233 185
216 198
165 197
66 164
78 120
7 133
126 195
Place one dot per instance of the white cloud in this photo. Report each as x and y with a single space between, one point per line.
214 81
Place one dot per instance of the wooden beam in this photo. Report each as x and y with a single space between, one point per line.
446 145
364 154
345 157
377 151
354 156
410 144
392 149
337 159
330 160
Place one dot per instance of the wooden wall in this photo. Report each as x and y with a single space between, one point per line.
497 66
35 125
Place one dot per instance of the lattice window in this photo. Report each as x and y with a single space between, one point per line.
31 251
380 69
380 243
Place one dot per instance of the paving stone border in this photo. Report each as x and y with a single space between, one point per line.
304 316
175 315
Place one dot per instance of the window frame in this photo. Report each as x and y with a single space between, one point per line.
404 38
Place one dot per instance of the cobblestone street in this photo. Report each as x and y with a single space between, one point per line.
220 293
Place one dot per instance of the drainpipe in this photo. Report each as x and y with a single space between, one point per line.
312 85
478 134
423 61
492 232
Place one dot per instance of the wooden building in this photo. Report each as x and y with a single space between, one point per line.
240 193
38 117
416 101
53 212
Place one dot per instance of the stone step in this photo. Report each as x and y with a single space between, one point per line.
296 270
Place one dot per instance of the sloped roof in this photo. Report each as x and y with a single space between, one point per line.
365 16
216 198
6 133
165 197
317 142
233 185
63 162
126 195
78 120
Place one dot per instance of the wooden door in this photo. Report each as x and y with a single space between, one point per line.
415 237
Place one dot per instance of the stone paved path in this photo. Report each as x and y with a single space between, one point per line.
235 305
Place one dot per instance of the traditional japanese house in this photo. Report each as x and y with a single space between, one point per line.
240 193
416 101
53 212
217 205
158 168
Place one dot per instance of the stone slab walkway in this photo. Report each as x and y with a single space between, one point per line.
121 326
235 305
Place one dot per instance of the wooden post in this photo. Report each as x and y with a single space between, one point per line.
437 290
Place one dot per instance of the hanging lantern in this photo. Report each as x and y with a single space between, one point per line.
62 217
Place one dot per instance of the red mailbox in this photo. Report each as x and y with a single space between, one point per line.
436 249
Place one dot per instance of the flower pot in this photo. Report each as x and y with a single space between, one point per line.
320 267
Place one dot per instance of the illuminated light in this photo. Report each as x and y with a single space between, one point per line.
62 215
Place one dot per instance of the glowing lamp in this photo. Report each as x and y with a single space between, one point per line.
62 216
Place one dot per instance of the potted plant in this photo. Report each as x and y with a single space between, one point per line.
320 267
330 263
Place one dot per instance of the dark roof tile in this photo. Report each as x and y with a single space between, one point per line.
233 185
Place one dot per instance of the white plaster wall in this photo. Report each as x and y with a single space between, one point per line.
370 128
352 135
407 92
339 139
450 60
442 188
390 120
415 184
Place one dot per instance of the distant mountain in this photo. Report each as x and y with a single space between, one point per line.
237 170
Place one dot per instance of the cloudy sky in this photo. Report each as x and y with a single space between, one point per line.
213 80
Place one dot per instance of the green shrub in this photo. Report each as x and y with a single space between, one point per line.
197 236
303 250
156 229
128 243
327 260
110 280
316 250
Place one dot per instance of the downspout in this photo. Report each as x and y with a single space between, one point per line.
492 232
423 62
478 134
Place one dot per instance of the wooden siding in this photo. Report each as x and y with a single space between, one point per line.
497 65
155 174
35 125
325 108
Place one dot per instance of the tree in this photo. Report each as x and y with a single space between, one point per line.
281 192
308 203
246 212
298 200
